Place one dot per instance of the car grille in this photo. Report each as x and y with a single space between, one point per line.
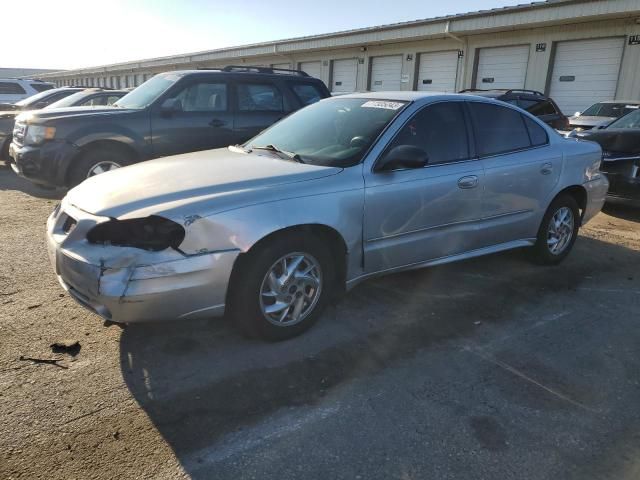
18 132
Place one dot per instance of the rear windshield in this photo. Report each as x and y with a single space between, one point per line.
615 110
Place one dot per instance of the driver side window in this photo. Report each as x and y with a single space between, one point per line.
439 130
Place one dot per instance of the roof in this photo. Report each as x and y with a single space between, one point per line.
528 15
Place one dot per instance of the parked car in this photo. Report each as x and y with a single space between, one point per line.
620 142
64 97
534 102
345 189
601 114
13 90
172 113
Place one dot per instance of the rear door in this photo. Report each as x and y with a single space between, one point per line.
415 215
205 120
259 104
521 171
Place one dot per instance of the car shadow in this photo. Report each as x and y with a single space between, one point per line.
200 382
624 212
10 181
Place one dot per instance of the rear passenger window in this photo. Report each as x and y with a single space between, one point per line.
204 97
307 94
537 108
498 129
11 88
439 130
254 97
536 133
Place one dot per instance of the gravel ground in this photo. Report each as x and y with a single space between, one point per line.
491 368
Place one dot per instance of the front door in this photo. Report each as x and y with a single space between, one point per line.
202 121
421 214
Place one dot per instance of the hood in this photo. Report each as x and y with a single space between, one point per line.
615 140
44 115
216 179
589 121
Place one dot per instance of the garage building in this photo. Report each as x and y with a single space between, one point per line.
577 51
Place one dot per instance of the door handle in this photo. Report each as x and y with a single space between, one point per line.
546 168
470 181
216 122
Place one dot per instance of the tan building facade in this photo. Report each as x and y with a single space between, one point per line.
577 51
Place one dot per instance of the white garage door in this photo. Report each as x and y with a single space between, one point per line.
344 75
585 72
502 67
437 71
386 73
313 69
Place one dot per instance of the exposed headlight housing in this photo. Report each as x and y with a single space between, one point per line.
151 233
36 134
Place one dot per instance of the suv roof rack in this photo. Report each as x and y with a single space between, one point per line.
506 91
251 69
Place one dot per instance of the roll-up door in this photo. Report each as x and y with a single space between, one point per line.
386 73
502 67
437 71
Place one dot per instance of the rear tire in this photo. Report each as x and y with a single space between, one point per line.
264 301
558 231
95 161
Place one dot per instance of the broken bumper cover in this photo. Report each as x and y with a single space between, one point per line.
126 286
596 196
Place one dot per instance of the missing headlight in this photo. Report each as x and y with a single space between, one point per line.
151 233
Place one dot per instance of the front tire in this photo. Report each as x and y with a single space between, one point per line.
279 290
558 231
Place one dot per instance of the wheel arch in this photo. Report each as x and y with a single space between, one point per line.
329 235
126 149
579 194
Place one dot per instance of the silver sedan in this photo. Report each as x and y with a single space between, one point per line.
343 190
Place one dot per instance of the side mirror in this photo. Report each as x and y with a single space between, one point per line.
171 105
403 157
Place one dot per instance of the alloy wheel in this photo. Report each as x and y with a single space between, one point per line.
560 231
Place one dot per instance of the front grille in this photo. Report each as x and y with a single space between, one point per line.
69 224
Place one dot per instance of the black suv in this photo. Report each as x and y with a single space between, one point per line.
534 102
172 113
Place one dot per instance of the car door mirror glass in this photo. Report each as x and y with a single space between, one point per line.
171 105
403 157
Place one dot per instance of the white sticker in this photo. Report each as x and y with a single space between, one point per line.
382 104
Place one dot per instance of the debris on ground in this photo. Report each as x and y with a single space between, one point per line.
72 347
48 361
35 305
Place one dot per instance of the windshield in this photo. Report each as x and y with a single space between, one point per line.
631 120
615 110
148 92
336 132
68 101
35 98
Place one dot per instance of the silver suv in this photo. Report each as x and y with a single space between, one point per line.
13 90
340 191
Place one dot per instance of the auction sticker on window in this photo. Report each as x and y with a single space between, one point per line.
382 104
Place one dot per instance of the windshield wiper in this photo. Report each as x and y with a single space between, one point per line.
273 148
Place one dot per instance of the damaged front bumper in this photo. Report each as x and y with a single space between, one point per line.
128 285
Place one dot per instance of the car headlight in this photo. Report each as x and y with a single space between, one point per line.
151 233
36 134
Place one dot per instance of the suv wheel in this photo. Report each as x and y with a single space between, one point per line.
280 290
558 231
96 161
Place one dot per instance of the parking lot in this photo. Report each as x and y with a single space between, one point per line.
491 368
